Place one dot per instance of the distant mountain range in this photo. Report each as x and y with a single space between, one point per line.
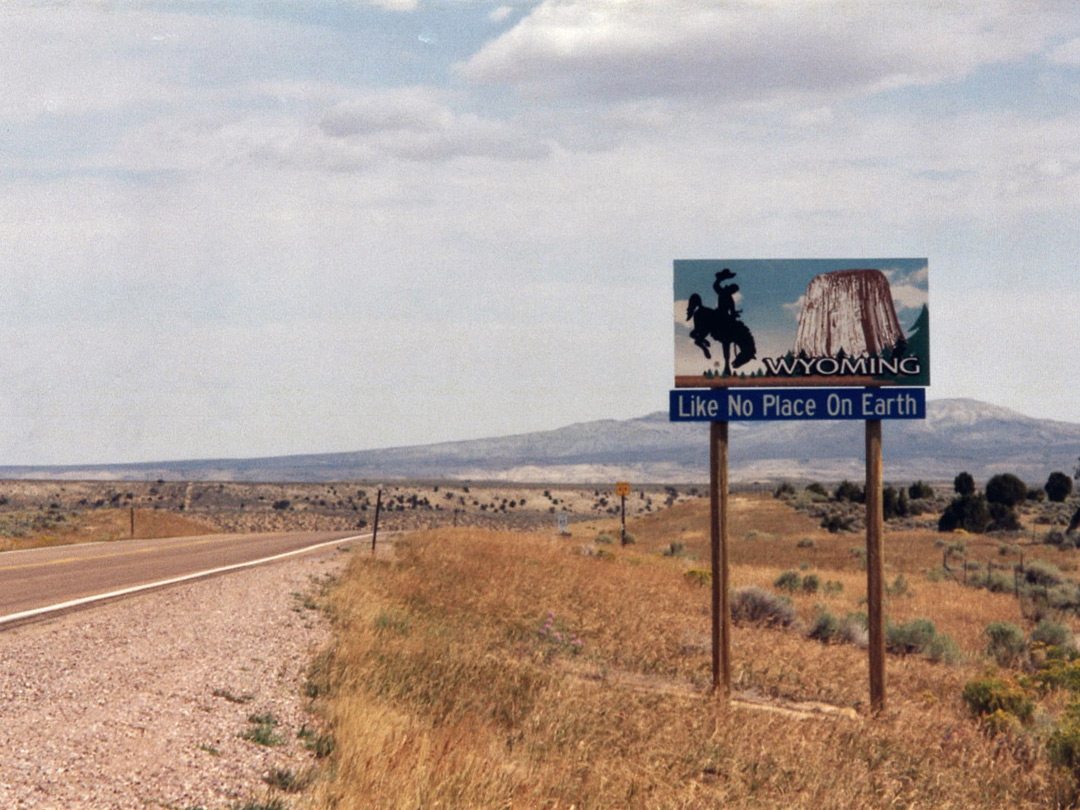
958 434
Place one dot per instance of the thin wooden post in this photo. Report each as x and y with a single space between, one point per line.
875 529
133 521
375 529
721 604
623 519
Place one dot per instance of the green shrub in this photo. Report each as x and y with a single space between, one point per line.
825 627
1058 487
1006 489
993 582
1055 537
1041 572
964 484
805 542
816 489
968 512
890 503
1003 518
605 539
263 730
913 637
920 491
1063 597
1056 673
1051 634
811 583
674 549
1063 745
1006 643
855 629
757 606
848 491
788 581
784 490
990 694
942 650
838 522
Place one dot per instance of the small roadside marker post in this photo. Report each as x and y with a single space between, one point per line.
375 529
622 489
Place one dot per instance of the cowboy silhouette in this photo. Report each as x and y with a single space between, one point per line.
725 295
722 324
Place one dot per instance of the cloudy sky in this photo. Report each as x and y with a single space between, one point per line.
261 227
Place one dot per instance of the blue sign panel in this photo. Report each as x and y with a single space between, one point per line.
768 404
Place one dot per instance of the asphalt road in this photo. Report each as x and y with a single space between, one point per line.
38 578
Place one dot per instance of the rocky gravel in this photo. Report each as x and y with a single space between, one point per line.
141 702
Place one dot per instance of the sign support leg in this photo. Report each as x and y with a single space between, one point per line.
875 529
721 604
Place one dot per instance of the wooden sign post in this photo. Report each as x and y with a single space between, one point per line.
718 534
378 508
875 529
622 489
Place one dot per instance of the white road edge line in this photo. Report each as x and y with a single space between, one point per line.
27 614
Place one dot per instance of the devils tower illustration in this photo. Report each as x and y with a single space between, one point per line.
849 312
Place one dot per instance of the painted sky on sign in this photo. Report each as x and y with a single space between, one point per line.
240 229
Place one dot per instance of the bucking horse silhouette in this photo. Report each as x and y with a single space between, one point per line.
722 325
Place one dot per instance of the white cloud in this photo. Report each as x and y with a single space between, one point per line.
906 296
1067 53
794 308
753 49
395 5
413 124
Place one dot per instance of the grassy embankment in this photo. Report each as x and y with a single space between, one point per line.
493 669
36 528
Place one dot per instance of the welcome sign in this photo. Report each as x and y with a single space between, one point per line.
801 322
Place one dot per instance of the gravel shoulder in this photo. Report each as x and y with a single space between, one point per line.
140 703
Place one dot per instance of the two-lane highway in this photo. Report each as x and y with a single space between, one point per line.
67 576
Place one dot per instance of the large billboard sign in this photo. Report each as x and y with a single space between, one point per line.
801 322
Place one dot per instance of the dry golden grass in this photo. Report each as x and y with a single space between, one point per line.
446 686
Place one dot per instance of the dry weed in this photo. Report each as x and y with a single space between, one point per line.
455 681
